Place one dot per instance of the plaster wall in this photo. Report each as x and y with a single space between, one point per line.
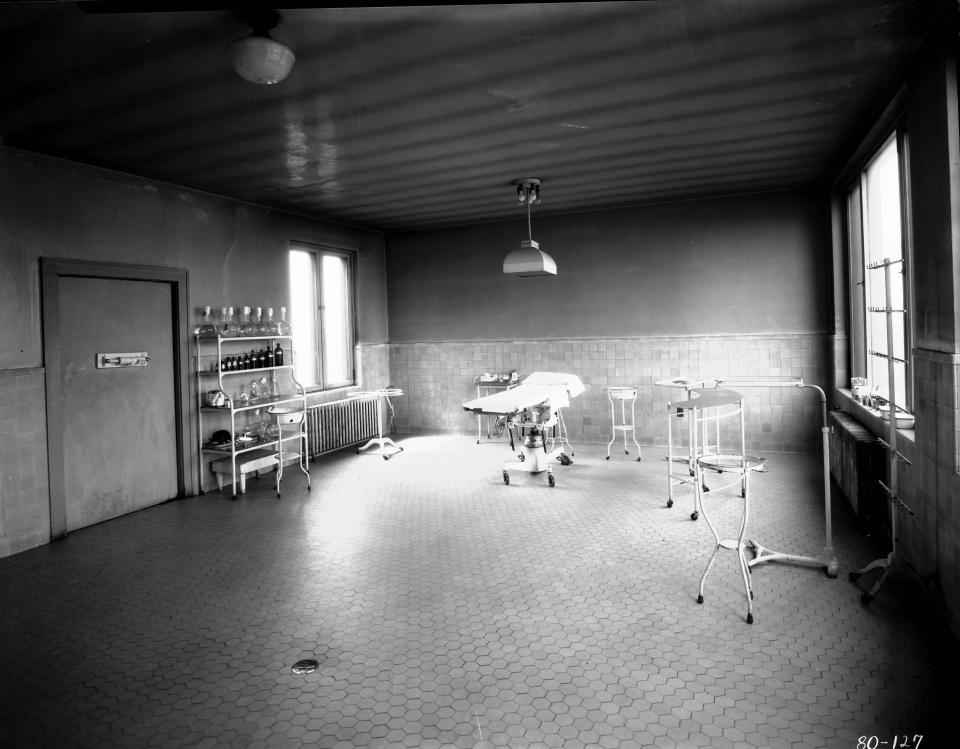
744 265
234 253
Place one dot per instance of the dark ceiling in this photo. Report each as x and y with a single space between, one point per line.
398 118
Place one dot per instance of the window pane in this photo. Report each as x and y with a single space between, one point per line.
883 206
337 346
303 317
882 241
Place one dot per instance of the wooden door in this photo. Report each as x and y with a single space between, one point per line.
116 442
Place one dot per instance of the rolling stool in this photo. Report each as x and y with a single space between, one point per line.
725 404
623 394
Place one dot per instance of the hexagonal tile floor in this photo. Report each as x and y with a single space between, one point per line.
447 609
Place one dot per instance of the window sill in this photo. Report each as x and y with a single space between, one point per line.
869 417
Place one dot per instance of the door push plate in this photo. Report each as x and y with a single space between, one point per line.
112 361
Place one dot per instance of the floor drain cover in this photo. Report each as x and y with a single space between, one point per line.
306 666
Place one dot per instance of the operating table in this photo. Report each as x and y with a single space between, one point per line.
531 408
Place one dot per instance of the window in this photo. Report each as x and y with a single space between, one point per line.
321 316
877 204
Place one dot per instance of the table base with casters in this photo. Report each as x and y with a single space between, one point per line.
623 394
383 396
740 467
537 449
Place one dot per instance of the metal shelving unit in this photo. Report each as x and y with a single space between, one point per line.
258 454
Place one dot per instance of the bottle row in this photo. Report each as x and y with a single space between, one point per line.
254 360
243 323
259 391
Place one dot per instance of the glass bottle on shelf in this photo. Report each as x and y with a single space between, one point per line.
270 357
283 327
269 326
258 321
278 356
206 328
230 329
247 326
274 388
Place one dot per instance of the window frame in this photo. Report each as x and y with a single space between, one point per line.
318 251
854 195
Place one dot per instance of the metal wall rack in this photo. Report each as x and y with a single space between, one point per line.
892 561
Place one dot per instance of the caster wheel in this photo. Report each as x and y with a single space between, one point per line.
551 480
866 598
639 459
751 595
669 503
749 618
478 442
699 599
506 478
743 493
626 452
854 576
705 488
386 457
831 570
694 515
608 457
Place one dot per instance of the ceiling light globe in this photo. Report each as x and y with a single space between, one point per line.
260 59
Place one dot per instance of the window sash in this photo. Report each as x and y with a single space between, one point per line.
322 316
877 215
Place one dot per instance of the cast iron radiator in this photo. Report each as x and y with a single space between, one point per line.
343 423
857 465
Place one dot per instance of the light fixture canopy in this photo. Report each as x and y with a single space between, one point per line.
529 260
259 58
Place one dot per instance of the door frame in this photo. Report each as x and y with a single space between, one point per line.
51 271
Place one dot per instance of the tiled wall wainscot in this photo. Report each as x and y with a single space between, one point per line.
437 378
24 490
931 537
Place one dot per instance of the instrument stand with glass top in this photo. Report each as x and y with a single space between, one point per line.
697 440
712 404
623 394
891 562
233 387
383 398
828 558
489 383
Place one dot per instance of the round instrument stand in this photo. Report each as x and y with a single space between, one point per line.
623 395
697 436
